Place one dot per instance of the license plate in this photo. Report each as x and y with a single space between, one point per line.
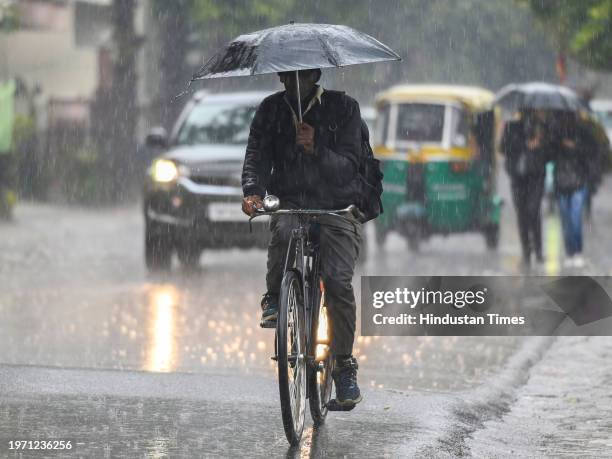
226 212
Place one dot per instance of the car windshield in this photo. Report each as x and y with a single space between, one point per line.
420 122
218 123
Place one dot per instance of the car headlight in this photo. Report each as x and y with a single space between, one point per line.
164 171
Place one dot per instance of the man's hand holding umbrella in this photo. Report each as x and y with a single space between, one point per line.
305 137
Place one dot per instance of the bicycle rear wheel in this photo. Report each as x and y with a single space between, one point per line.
291 353
320 378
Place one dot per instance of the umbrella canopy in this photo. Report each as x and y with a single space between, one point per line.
295 47
537 95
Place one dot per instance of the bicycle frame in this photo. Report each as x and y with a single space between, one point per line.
301 247
303 258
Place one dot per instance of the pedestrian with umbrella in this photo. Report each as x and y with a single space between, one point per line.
577 171
527 143
305 146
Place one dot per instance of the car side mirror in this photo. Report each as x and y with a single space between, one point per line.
157 138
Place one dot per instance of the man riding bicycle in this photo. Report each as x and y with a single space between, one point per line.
311 165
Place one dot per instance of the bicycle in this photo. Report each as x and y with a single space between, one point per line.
305 363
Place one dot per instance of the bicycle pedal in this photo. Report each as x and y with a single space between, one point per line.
267 324
334 405
275 358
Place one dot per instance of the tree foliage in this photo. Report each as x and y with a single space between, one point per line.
219 21
582 28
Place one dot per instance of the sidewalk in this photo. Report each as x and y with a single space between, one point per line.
598 232
564 409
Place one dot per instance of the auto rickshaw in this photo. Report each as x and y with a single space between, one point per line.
436 145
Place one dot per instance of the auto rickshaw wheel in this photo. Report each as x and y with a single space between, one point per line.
491 234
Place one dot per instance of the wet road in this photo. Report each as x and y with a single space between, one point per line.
94 349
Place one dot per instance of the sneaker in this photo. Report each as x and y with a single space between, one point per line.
269 306
579 261
568 263
345 379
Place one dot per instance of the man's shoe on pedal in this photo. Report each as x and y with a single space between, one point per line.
269 306
345 379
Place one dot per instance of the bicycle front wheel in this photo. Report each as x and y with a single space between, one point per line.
291 353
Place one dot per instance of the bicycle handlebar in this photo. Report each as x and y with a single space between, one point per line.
350 209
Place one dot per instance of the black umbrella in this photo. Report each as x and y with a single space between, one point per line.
537 95
294 47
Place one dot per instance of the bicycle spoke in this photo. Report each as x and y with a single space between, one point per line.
298 396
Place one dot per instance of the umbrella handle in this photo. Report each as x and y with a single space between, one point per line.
299 100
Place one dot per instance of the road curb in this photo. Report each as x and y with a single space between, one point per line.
470 409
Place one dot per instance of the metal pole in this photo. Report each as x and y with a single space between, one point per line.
299 101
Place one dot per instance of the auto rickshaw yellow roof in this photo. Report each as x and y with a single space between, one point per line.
473 96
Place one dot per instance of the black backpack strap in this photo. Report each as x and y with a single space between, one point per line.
334 105
333 102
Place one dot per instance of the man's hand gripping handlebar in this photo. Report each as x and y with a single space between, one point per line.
271 206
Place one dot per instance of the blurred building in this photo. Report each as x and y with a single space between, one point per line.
61 53
62 47
43 51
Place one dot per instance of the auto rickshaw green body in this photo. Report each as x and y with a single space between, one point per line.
443 180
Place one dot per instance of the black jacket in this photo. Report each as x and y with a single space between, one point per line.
274 164
577 166
520 161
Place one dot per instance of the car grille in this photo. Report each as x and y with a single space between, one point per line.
218 181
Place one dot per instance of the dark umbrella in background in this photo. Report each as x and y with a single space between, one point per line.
538 96
294 47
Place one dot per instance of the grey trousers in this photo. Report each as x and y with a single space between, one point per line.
340 242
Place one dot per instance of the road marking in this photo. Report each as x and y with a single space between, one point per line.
552 244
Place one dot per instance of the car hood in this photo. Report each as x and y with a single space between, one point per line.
209 159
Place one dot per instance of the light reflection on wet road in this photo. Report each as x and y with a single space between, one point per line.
199 322
185 324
